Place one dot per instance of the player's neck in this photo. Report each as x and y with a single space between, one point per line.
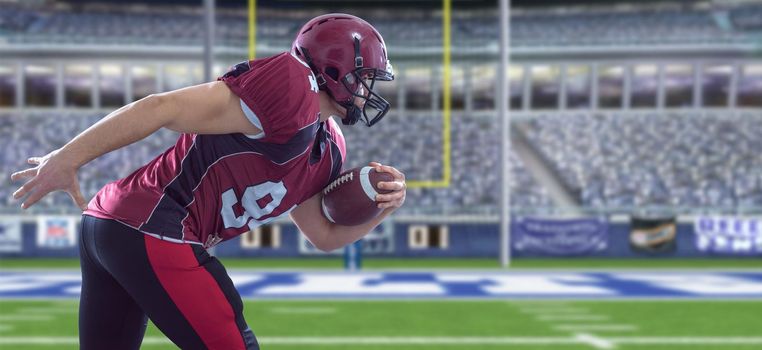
329 107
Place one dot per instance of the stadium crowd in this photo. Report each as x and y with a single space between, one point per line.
475 168
606 160
679 159
61 23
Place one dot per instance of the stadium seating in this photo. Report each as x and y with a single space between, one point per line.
747 17
180 27
685 161
638 28
475 177
611 161
36 134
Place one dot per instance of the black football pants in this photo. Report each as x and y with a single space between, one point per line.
128 277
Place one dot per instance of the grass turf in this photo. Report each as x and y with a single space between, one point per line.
284 319
428 263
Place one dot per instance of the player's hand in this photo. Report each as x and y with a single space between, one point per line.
396 198
51 173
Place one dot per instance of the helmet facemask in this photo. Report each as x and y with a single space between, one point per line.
360 84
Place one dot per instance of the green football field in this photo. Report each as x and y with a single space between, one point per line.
440 324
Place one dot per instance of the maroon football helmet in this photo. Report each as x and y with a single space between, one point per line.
347 56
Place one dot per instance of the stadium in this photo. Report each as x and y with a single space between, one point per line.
581 174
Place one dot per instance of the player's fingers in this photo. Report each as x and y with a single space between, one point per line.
389 197
391 185
23 190
34 160
34 198
78 198
398 175
397 202
393 204
376 165
23 174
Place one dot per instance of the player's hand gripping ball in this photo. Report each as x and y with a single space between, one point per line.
351 199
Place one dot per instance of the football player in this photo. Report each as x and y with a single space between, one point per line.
256 145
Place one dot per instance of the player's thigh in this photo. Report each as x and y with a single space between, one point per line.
225 285
201 289
108 316
123 254
182 298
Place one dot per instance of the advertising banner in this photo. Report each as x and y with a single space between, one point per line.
560 236
10 235
729 235
653 235
56 232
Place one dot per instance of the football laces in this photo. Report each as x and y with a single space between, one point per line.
340 180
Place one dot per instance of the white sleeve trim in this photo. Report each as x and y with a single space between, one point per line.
253 119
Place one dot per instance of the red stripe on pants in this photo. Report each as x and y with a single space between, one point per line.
195 292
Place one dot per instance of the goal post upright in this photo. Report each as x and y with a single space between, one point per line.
503 114
446 179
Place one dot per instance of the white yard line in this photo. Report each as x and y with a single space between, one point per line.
49 310
687 340
596 327
16 317
303 310
552 310
417 340
572 317
596 341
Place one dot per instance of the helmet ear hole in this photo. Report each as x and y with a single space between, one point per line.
332 72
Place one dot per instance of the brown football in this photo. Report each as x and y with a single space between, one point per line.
351 199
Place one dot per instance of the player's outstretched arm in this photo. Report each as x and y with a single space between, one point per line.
209 108
327 236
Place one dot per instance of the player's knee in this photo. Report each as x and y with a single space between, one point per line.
249 340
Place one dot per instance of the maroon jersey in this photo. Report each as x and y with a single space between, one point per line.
210 188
